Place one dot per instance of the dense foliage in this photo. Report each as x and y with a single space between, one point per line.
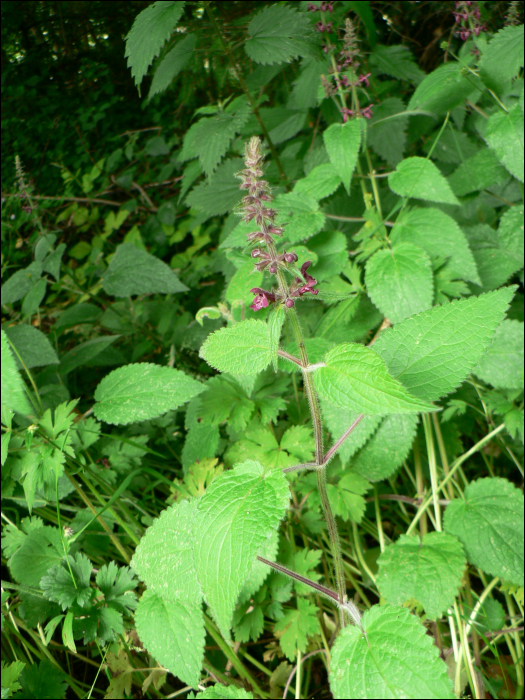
262 349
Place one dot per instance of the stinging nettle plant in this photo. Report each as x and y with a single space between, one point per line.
380 323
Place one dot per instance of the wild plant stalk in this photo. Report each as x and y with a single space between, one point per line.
254 209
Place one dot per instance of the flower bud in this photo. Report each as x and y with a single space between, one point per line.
256 252
291 257
273 268
289 303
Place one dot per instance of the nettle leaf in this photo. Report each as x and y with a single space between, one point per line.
399 281
420 178
172 64
433 352
32 345
503 57
150 31
357 379
134 271
438 234
279 34
342 142
275 326
494 262
396 657
489 525
142 391
442 90
216 133
398 62
427 570
388 138
85 352
450 146
294 628
19 284
300 215
479 172
337 317
338 421
13 394
316 349
225 400
510 232
320 182
346 497
330 247
297 445
502 364
243 280
504 134
240 349
202 442
387 449
173 632
234 518
221 193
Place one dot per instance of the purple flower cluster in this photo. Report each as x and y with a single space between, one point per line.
468 15
297 289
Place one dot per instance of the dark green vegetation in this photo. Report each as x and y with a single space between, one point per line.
121 254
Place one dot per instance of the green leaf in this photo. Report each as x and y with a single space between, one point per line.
202 442
279 34
173 633
504 134
275 326
432 353
216 133
13 394
220 194
489 525
479 172
52 263
297 445
246 278
150 31
503 57
342 142
234 518
85 352
296 626
79 313
502 364
320 182
387 449
357 379
510 232
32 345
346 497
338 421
420 178
134 271
172 64
142 391
442 90
427 570
494 262
33 298
400 659
452 146
438 234
316 349
300 215
388 138
330 247
337 317
240 349
398 62
19 284
225 400
399 281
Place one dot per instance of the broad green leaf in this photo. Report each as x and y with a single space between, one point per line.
427 570
260 571
85 352
502 364
433 352
172 64
275 326
300 215
32 345
296 626
220 194
19 284
489 525
346 497
510 232
388 138
479 172
337 317
330 247
357 379
342 142
305 86
142 391
292 123
240 349
234 518
52 263
452 146
202 442
316 349
297 445
339 420
33 299
79 313
215 134
169 540
150 30
420 178
494 262
395 656
442 90
13 394
225 400
134 271
503 57
504 134
246 278
396 61
387 448
438 234
320 182
399 281
278 34
173 633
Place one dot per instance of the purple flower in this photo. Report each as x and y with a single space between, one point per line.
262 298
299 287
367 111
